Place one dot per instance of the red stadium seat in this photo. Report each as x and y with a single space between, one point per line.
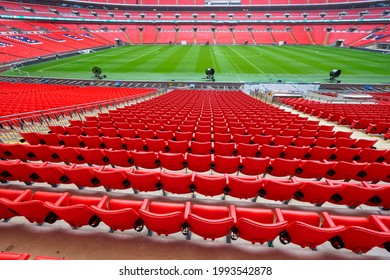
209 185
177 183
243 187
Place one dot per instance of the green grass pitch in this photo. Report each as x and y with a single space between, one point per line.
231 64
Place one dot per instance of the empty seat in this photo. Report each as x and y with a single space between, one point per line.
374 172
343 170
243 187
305 228
92 142
155 145
248 150
271 151
360 234
369 155
121 214
241 138
143 133
201 148
209 221
70 140
82 176
147 160
257 225
94 156
316 192
279 189
209 185
12 195
224 149
262 139
199 163
113 178
313 169
177 146
202 136
181 135
303 141
119 157
320 153
172 161
165 218
254 166
165 135
114 143
282 140
77 210
283 167
291 152
226 164
178 183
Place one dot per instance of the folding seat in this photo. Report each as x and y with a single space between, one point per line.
344 154
374 172
279 189
290 132
171 127
325 133
121 214
17 151
49 139
177 183
144 134
187 128
165 135
378 128
382 197
12 195
91 123
91 131
320 153
303 141
109 132
343 134
183 136
122 125
147 160
106 124
76 123
254 166
325 127
144 181
226 164
224 149
313 169
22 172
209 221
305 229
154 126
35 209
369 155
57 129
32 138
49 173
203 128
343 142
270 151
353 194
155 145
247 150
113 178
307 133
243 187
222 137
82 176
283 167
316 192
190 122
77 210
138 126
201 148
202 137
220 129
342 170
364 143
70 140
324 142
387 135
14 256
134 144
220 123
272 131
209 185
199 163
282 140
310 127
91 142
65 154
262 139
94 156
127 133
385 157
255 130
291 152
360 234
74 130
172 161
177 146
257 225
165 218
237 130
115 143
241 138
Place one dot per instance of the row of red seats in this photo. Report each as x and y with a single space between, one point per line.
23 256
315 192
256 225
181 141
27 152
191 132
336 170
375 119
